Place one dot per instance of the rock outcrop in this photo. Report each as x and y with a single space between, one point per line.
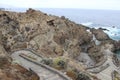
49 35
10 71
117 45
100 35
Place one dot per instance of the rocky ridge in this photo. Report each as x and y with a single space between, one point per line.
12 71
52 36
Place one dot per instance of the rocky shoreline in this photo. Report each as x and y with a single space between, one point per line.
56 38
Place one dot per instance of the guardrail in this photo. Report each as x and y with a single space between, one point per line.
29 49
99 64
100 69
47 67
115 60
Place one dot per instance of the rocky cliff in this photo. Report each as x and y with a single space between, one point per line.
51 36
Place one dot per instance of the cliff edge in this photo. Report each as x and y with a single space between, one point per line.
53 37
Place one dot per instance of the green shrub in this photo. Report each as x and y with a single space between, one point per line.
59 63
82 76
47 62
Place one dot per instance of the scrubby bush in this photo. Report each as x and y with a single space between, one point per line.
59 63
71 73
82 76
47 62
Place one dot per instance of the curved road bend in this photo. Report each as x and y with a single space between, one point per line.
105 74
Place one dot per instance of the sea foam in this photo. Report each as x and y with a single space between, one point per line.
113 32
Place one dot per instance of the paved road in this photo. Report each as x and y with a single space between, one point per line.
105 74
43 72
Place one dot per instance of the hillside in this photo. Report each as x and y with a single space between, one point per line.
55 38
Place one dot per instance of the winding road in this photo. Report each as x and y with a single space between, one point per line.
33 62
105 70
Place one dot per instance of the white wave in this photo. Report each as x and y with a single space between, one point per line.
87 23
113 32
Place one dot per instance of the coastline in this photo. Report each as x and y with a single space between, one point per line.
60 42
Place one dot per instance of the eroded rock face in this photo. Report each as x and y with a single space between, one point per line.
49 35
59 51
95 53
49 31
100 35
9 29
9 71
117 45
36 30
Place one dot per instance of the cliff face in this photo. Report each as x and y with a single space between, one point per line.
49 35
117 45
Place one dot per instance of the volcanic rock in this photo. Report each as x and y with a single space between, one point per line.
48 35
100 35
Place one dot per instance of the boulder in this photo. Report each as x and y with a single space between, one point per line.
95 53
100 35
58 50
117 45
